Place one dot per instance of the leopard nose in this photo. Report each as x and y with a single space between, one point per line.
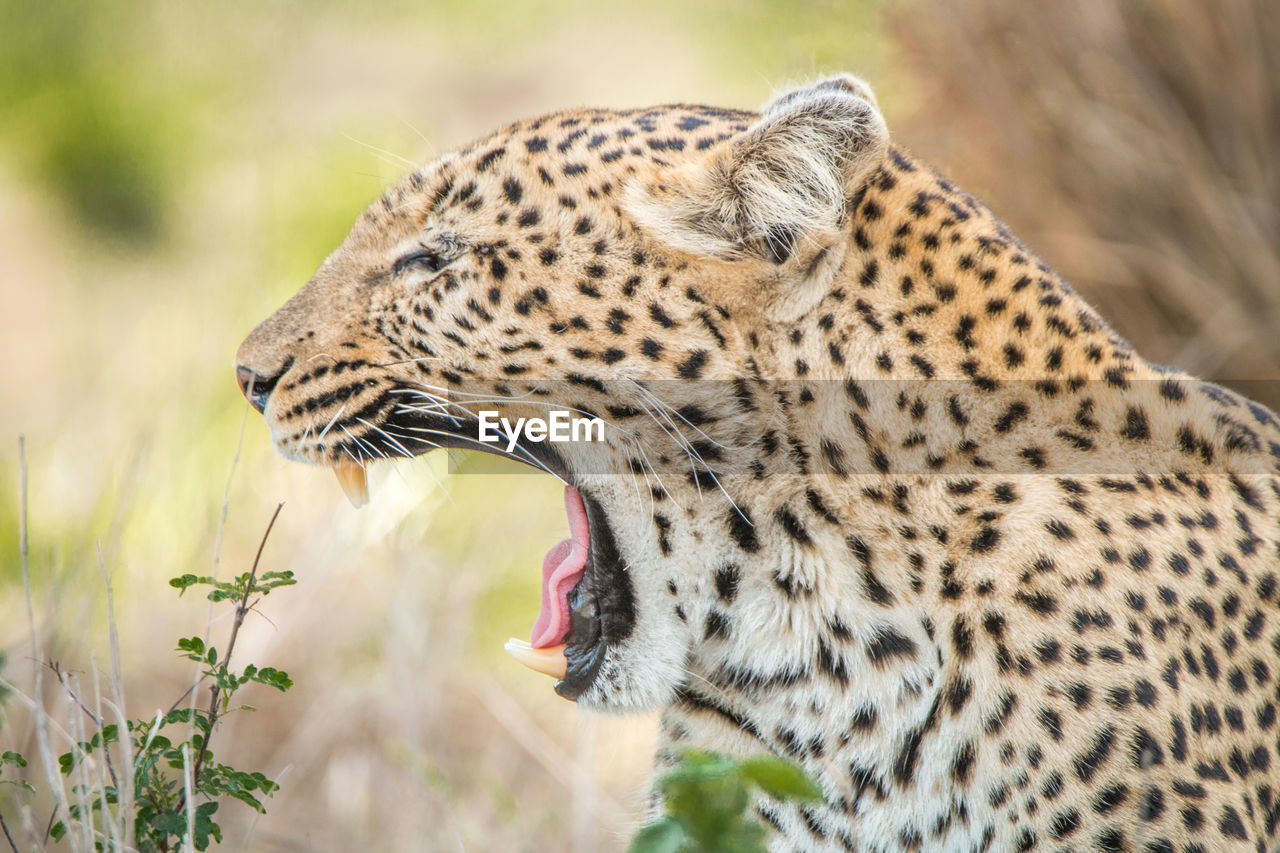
256 387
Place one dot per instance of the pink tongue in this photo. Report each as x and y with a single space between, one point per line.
561 570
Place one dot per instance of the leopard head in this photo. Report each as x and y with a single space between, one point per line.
630 266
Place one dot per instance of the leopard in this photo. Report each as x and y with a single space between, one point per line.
879 493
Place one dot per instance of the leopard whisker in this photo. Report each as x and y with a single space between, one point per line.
645 390
531 459
333 420
388 157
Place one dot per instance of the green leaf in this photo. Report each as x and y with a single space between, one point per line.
707 808
694 773
205 827
665 836
780 779
248 799
169 822
226 681
272 677
745 835
182 583
701 757
191 648
58 831
12 758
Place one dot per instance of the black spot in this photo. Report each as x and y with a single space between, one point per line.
1172 390
986 540
1064 823
864 719
962 638
691 367
1135 425
1152 805
874 589
660 317
1051 720
489 158
957 693
1111 841
1049 650
512 190
716 627
1110 797
905 766
817 505
792 526
1017 411
727 580
1088 762
1059 530
888 644
742 530
1041 602
673 143
962 764
995 721
664 532
1230 824
923 365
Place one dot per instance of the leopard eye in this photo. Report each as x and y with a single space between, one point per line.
424 259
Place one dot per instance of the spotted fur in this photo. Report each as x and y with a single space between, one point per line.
892 500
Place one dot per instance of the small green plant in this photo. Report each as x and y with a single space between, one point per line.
173 764
16 761
708 799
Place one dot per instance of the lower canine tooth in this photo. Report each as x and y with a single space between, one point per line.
549 661
354 481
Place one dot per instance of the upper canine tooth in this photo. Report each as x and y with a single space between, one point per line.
354 481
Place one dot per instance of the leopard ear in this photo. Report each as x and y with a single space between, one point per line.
782 181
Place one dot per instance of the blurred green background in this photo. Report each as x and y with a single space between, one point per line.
171 172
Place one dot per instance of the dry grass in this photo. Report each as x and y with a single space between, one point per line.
407 729
1133 145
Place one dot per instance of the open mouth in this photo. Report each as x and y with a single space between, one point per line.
586 601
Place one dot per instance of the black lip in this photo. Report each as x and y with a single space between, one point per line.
602 604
